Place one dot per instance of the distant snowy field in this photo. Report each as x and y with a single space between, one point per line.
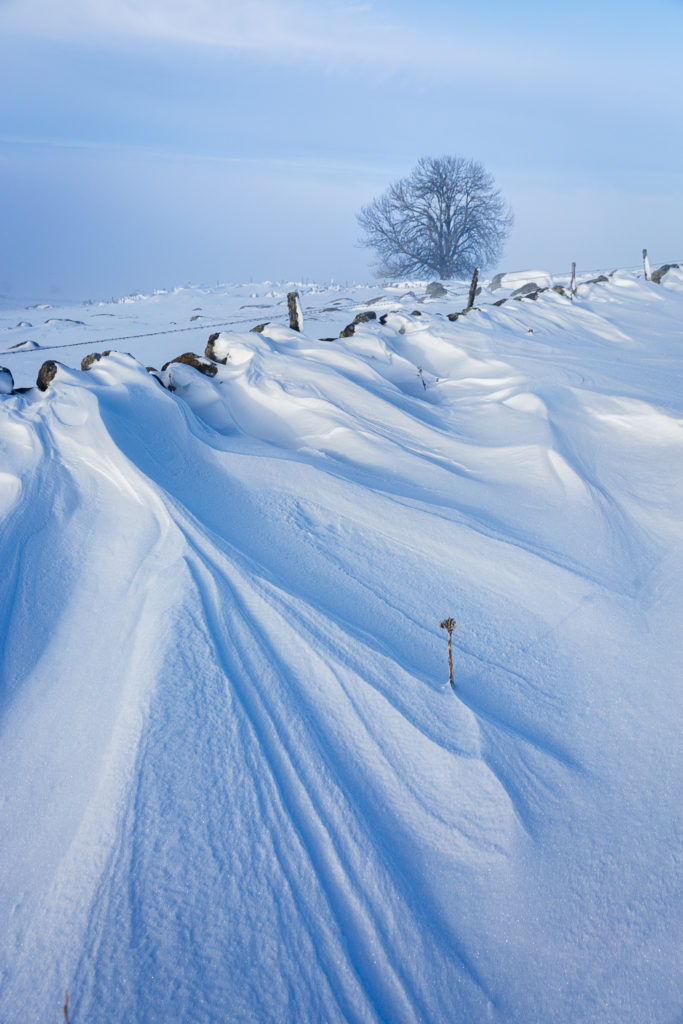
235 785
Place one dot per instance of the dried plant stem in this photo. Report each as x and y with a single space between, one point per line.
66 1008
449 624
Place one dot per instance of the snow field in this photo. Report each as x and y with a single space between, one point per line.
236 783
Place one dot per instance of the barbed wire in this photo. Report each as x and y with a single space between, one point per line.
123 337
104 342
17 350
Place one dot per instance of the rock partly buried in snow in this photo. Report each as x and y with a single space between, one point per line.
225 348
156 375
206 366
526 289
658 274
6 381
217 347
600 279
260 328
25 345
94 357
435 290
362 318
46 374
396 320
87 361
463 312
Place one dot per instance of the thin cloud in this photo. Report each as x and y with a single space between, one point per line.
257 26
331 35
347 37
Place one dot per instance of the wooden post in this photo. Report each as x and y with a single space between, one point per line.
646 266
573 284
449 624
296 320
473 288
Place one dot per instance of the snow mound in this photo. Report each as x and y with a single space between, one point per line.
518 278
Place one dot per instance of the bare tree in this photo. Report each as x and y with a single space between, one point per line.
445 218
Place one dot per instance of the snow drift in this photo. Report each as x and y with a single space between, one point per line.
235 783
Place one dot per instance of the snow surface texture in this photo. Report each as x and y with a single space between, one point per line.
236 786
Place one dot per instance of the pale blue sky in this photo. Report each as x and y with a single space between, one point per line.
151 143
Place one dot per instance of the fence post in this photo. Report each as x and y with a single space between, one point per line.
473 288
646 266
573 284
296 320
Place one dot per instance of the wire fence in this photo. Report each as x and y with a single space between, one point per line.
239 321
17 350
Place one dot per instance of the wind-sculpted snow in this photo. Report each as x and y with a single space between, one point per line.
236 785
